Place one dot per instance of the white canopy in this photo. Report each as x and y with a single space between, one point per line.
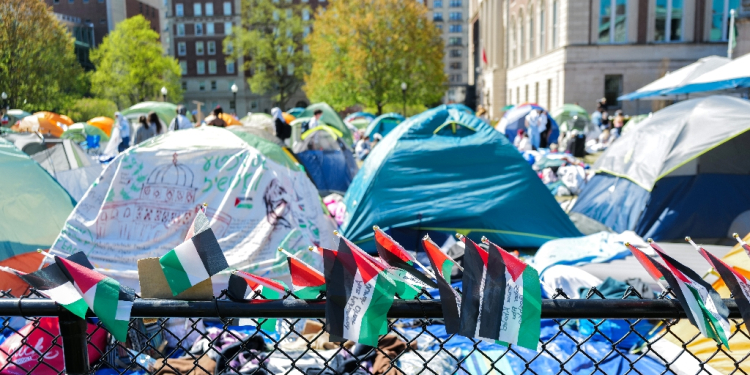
657 90
734 75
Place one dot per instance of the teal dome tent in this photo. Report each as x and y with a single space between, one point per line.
445 171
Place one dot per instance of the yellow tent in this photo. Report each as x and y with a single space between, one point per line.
706 349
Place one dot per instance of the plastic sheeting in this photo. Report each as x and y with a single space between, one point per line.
674 136
657 90
596 248
613 201
446 171
33 206
731 76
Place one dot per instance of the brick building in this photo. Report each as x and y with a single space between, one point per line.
451 17
195 34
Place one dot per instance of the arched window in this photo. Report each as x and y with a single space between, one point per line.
532 41
542 28
555 23
521 39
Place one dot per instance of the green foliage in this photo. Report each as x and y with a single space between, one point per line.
87 108
270 40
131 66
363 50
38 65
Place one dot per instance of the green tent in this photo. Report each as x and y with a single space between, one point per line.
565 114
166 111
329 117
267 148
33 206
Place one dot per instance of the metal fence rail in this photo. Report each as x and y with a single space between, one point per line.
580 336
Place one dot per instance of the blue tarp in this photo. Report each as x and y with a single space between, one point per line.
447 171
383 124
613 201
600 247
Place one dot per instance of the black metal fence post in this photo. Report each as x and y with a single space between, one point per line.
75 347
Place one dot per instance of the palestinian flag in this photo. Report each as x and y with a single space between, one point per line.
654 269
521 302
742 243
359 295
109 301
52 282
483 281
449 297
243 285
396 256
708 311
736 282
307 282
200 223
193 261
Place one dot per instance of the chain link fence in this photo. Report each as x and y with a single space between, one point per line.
595 335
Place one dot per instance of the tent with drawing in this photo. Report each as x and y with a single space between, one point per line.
258 199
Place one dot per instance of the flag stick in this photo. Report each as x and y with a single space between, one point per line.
46 254
739 239
288 253
313 248
628 244
690 240
13 271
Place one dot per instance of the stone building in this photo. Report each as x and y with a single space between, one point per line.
571 51
451 17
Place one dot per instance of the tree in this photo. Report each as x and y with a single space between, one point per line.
363 50
38 65
270 41
87 108
131 65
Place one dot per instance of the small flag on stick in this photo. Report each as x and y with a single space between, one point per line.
52 282
449 297
742 243
193 261
735 281
200 222
109 301
243 285
396 256
307 282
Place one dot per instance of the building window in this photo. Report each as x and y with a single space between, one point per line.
229 47
512 42
455 16
227 28
71 1
211 47
455 65
210 28
542 28
549 93
212 67
536 92
230 67
668 21
306 31
454 41
720 18
202 85
85 1
103 21
179 10
455 78
615 31
181 49
437 16
180 29
437 4
198 29
455 4
455 53
532 44
56 1
197 10
456 28
201 66
209 9
184 85
555 22
227 8
518 95
183 67
288 13
439 27
526 94
305 14
199 48
213 83
613 89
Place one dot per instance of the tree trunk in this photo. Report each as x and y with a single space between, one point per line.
380 109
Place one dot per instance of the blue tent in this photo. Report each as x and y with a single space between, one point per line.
327 160
514 118
683 172
383 124
296 111
443 172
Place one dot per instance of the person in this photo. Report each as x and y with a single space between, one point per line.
618 123
124 127
545 130
315 121
283 130
144 131
534 127
153 121
362 148
596 117
482 113
215 119
521 142
180 122
375 140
